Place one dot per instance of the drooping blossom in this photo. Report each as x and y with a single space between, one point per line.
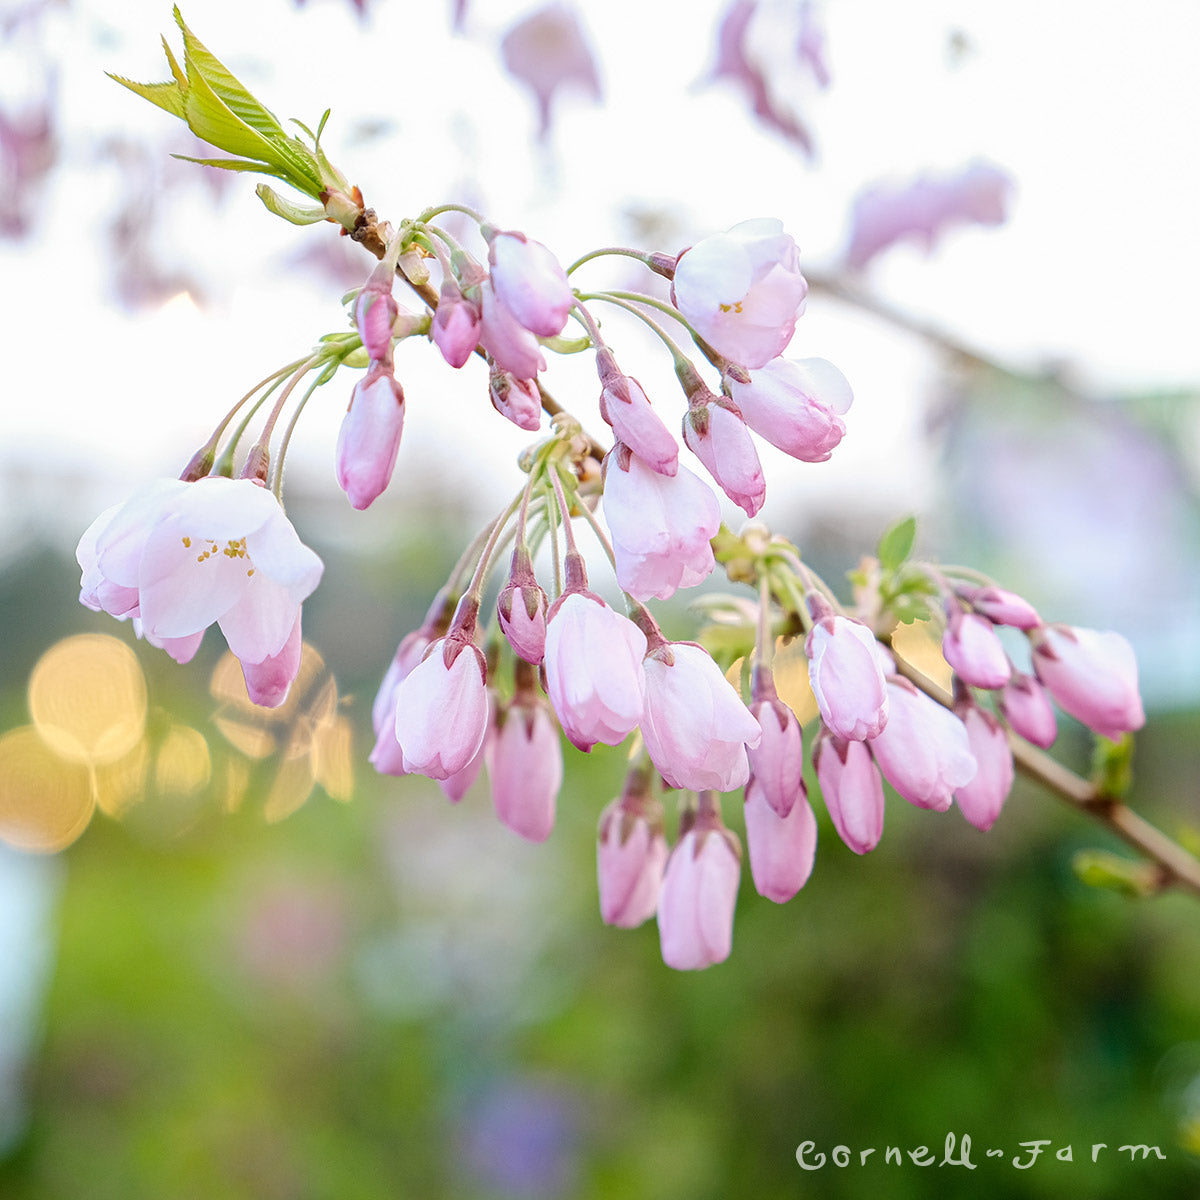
1002 607
521 608
625 406
1027 708
548 51
456 325
777 762
923 751
695 726
716 434
525 767
631 853
742 290
661 525
517 399
375 312
981 798
781 849
852 789
797 405
530 282
593 668
699 892
510 344
973 650
846 678
455 786
1092 675
268 682
179 556
369 438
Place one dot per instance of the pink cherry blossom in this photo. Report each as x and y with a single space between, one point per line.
517 399
699 892
456 324
981 798
625 406
782 849
442 709
1002 607
796 405
513 348
718 437
387 757
923 751
846 679
1026 707
530 282
268 682
973 650
631 854
742 290
521 608
375 312
525 767
455 787
852 789
661 526
695 726
369 438
777 762
1092 675
593 669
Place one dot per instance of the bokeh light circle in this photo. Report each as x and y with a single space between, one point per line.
45 802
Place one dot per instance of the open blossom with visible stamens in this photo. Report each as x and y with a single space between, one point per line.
661 525
369 438
510 344
742 290
973 650
980 799
716 434
852 789
525 767
1027 708
843 669
625 406
631 854
530 282
179 556
1092 675
796 405
782 848
695 726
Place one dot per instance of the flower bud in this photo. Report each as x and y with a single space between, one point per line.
717 435
973 650
521 608
530 282
631 854
1002 607
517 399
369 439
782 849
375 311
1028 710
981 798
625 406
513 348
846 680
777 762
853 791
456 324
1092 676
525 767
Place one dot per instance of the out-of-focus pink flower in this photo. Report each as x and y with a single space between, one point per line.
456 324
742 290
923 751
853 791
27 152
695 726
510 344
973 650
593 669
716 434
777 762
627 409
1027 708
268 682
521 608
1092 675
525 767
1002 607
699 892
846 679
530 282
982 798
369 438
782 849
179 556
517 399
442 709
661 526
796 405
631 853
548 51
922 211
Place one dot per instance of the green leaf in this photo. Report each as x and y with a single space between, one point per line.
167 96
236 164
1112 766
1100 869
896 544
298 214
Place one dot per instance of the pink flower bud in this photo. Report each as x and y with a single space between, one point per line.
631 854
853 791
777 762
268 682
846 680
1027 709
369 439
982 798
973 650
782 849
1092 675
510 344
716 434
699 892
525 766
593 670
522 610
530 282
695 726
375 311
923 751
1002 607
387 757
661 526
442 709
517 399
455 787
456 324
638 426
796 405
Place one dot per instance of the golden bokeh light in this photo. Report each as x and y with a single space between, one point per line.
87 699
120 785
45 801
920 644
183 766
333 759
